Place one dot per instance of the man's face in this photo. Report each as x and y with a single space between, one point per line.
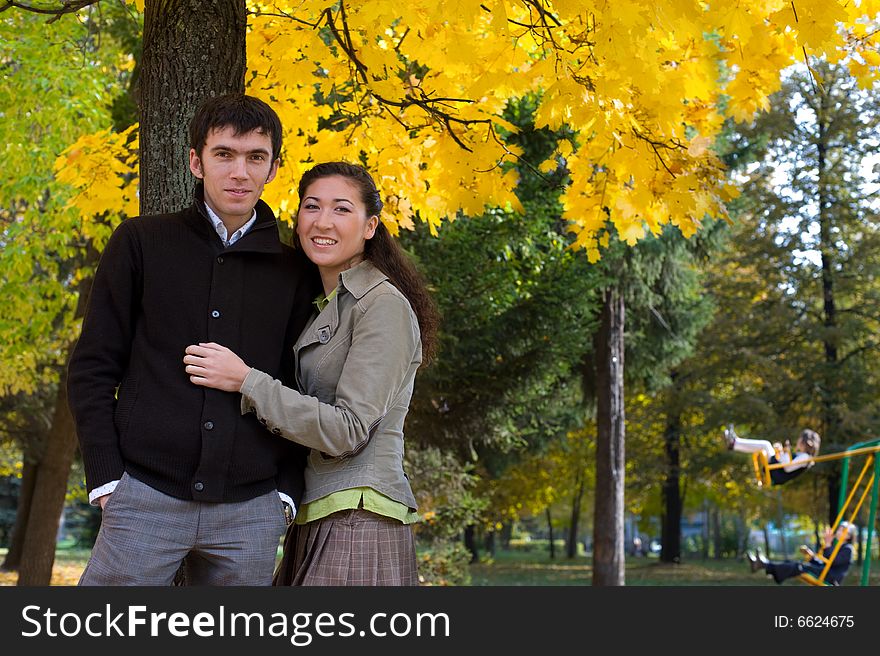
234 168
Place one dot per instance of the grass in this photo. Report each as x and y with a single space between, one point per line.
525 568
512 568
531 568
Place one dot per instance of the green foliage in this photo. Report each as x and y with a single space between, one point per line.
444 564
57 83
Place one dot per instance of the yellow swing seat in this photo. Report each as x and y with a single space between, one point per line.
812 580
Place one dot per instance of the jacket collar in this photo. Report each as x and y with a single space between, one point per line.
357 281
361 278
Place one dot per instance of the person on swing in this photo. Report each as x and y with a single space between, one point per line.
786 569
806 448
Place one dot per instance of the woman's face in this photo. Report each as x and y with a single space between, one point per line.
332 224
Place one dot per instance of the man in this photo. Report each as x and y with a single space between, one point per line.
786 569
179 473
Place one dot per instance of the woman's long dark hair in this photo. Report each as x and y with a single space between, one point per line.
383 250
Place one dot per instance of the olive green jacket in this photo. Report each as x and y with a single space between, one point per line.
356 363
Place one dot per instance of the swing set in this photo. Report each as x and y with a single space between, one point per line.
860 489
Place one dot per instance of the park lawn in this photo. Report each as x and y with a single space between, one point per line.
511 568
529 568
517 568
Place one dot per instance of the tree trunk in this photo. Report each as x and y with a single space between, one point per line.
742 535
470 543
50 488
506 534
608 547
192 50
550 533
670 532
704 548
833 490
781 511
23 510
830 384
572 545
490 542
767 549
716 534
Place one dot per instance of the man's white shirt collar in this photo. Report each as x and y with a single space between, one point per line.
221 228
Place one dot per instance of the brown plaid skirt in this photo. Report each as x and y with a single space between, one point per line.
349 547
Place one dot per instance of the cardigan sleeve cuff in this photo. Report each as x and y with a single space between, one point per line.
102 465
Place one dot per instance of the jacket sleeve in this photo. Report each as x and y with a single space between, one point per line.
843 558
101 355
385 349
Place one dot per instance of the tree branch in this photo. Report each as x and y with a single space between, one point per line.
68 7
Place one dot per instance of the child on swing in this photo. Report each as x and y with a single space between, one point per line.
795 464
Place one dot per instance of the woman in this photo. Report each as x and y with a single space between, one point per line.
806 449
356 365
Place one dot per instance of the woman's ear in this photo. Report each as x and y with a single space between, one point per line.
372 224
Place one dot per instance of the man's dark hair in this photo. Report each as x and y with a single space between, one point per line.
242 113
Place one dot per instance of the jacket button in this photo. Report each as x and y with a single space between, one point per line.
219 259
209 425
199 486
215 313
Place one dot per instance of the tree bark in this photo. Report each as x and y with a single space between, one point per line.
608 547
192 50
25 497
716 534
830 381
506 535
781 514
704 548
470 543
50 488
572 544
670 532
490 542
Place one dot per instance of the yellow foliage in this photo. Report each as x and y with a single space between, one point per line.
102 167
416 91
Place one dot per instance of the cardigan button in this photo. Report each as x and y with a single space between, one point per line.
215 313
199 486
209 425
219 259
